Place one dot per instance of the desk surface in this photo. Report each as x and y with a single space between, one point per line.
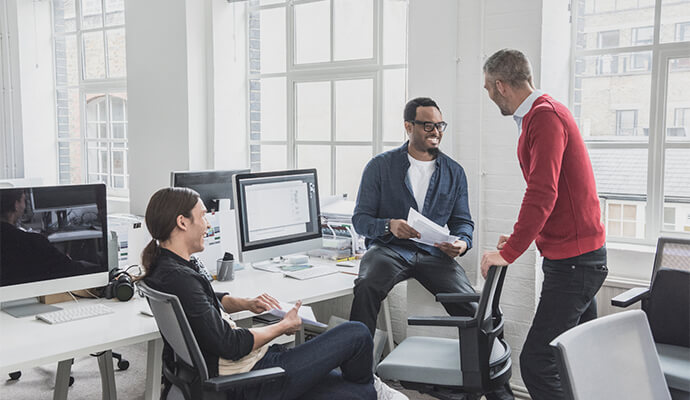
27 342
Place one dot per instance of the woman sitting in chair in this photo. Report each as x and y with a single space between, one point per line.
175 217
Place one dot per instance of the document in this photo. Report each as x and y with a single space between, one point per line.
305 312
431 233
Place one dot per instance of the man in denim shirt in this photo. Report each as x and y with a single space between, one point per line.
414 175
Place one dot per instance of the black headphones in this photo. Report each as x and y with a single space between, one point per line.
120 285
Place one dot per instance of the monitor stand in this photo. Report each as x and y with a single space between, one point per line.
27 307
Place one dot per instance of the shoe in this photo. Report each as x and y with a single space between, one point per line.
385 392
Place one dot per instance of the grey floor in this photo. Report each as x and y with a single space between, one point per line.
38 383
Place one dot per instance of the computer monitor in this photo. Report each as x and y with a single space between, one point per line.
277 213
212 186
53 239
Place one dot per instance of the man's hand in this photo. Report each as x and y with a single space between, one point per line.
401 230
291 321
262 303
491 258
502 241
452 249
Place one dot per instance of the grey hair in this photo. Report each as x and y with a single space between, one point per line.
510 66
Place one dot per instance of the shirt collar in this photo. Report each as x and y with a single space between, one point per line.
526 105
171 254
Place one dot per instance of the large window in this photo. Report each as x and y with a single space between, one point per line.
91 92
330 93
629 93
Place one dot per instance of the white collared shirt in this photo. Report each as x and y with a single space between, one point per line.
524 108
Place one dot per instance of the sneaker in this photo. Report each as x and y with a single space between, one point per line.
385 392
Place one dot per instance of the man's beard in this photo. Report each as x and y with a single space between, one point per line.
433 151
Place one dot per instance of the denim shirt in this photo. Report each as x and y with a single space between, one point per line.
385 192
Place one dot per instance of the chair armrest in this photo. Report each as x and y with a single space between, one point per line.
460 322
225 382
457 297
630 296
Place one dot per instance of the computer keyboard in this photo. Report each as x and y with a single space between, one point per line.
311 272
72 314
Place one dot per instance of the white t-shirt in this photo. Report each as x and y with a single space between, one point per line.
419 175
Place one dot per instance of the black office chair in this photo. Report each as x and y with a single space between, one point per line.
666 303
189 377
476 363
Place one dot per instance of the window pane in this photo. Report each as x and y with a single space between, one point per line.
272 25
621 173
117 64
92 14
677 100
394 32
353 29
611 103
94 55
313 109
64 16
677 188
273 109
312 32
609 23
319 157
114 12
70 162
675 21
119 159
68 115
394 95
71 62
98 162
96 116
354 109
349 164
273 157
118 104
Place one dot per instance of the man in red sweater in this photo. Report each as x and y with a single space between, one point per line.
560 210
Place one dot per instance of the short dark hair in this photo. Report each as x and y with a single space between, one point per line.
510 66
410 113
8 199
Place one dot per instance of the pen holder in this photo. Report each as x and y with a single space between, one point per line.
226 272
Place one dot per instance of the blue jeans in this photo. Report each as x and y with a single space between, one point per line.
310 367
567 300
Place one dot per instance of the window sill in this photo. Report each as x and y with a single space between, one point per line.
629 262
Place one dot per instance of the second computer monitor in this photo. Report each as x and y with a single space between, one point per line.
212 186
277 213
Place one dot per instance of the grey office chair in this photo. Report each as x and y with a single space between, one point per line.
478 362
666 303
189 377
612 357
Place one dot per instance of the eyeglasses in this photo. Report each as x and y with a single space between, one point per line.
429 126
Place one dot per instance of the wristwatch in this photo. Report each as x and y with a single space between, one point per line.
387 226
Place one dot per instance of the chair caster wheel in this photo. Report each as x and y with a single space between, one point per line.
71 380
122 365
15 375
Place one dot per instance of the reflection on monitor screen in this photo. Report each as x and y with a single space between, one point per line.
50 235
277 213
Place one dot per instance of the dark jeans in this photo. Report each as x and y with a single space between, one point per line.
567 300
382 268
310 367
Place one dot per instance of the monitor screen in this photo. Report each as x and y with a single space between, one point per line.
212 186
277 213
52 234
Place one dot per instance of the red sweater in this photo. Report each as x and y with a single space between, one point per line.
560 208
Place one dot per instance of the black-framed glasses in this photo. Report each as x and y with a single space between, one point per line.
429 126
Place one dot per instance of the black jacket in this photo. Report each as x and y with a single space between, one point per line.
172 274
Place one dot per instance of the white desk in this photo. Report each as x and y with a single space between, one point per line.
27 342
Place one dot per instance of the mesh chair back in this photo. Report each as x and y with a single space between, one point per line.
668 307
175 328
488 305
612 357
672 253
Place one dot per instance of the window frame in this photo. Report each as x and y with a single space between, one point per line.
106 86
331 71
662 54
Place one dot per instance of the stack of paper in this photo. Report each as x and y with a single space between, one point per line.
431 233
